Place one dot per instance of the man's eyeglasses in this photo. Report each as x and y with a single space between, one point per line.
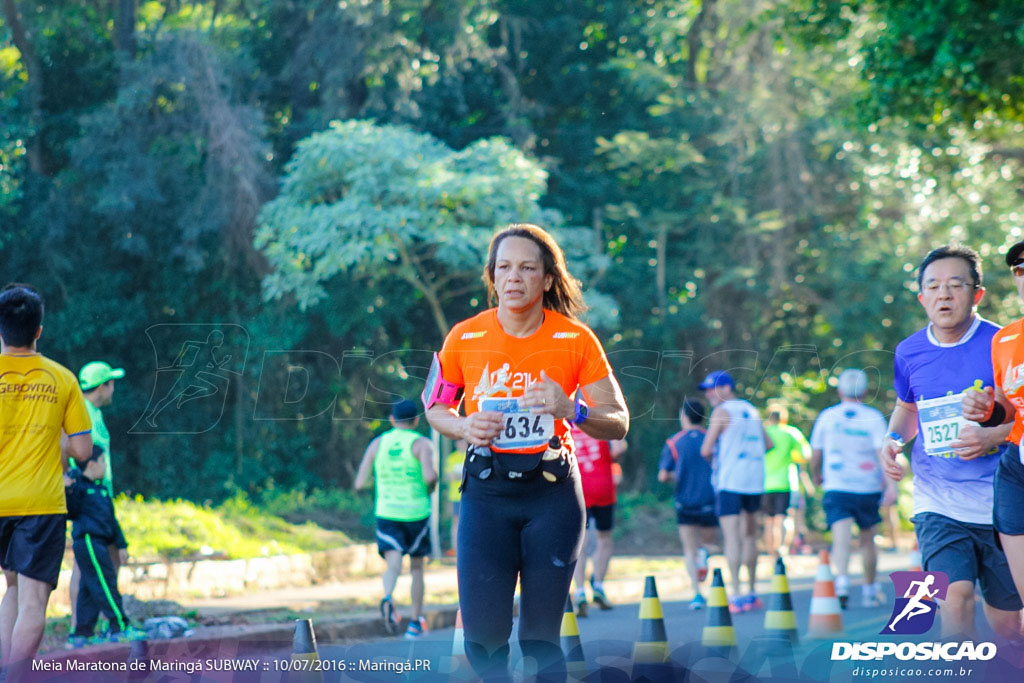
1017 269
953 286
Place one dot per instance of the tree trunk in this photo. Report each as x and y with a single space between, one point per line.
22 37
124 27
661 272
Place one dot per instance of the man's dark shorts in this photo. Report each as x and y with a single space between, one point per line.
1007 514
775 503
603 516
409 538
966 552
685 519
863 507
730 503
33 546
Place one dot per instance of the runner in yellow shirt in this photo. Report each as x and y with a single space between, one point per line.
38 399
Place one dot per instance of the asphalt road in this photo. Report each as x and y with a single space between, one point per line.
608 640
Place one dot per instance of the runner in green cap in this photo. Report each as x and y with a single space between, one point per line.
97 382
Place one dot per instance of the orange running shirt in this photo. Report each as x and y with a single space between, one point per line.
1008 371
38 398
481 357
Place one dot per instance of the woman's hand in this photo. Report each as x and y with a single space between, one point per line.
482 427
546 396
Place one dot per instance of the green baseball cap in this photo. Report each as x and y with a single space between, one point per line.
96 373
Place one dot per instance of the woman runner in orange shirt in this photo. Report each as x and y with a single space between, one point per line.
528 368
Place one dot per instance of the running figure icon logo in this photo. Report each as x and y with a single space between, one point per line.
914 613
195 366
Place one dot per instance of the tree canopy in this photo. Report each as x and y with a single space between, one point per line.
738 184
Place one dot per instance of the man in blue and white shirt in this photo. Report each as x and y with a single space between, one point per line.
954 461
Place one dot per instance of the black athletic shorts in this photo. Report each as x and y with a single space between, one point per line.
408 538
33 546
603 516
775 503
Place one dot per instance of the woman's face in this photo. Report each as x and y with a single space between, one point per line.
519 278
1018 280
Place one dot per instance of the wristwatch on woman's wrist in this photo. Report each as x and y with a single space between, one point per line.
582 413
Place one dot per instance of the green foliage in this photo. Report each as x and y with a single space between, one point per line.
339 509
933 64
420 213
236 529
734 183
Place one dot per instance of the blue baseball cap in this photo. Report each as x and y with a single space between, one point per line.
717 378
404 410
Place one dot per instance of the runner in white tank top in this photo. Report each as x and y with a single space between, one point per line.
735 445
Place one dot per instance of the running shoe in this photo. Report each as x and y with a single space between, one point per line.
600 598
873 595
702 563
581 604
698 602
736 605
752 602
387 613
76 642
417 627
128 635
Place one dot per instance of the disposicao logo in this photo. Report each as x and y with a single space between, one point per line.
914 613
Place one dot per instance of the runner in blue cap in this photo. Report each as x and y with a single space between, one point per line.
735 445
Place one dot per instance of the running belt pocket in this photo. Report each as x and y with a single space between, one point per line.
553 464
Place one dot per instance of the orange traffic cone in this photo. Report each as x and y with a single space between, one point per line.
826 614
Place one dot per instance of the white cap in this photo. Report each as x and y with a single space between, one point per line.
853 383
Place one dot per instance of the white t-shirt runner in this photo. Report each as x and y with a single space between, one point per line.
849 436
739 455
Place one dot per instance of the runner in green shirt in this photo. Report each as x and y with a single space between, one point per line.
402 463
790 449
97 382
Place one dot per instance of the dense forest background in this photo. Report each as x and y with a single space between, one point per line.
270 211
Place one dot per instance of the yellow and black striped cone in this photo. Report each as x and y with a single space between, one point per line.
650 652
780 619
652 644
719 637
775 647
572 647
304 650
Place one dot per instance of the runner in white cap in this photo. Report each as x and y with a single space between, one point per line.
846 440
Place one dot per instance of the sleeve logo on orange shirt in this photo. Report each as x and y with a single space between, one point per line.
1014 379
1009 337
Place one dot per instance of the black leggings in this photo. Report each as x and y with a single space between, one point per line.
530 529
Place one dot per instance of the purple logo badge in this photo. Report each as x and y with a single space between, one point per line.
916 593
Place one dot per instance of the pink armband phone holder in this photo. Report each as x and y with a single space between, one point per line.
438 389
